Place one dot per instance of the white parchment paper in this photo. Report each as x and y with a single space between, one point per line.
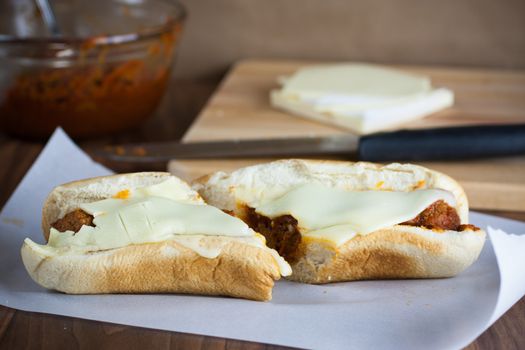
413 314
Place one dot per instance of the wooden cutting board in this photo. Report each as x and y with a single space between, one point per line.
240 109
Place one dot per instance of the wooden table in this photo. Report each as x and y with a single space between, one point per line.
27 330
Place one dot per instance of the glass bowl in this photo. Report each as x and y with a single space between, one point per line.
107 70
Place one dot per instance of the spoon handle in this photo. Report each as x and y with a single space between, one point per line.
48 16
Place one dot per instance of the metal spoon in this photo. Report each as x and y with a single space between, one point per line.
49 17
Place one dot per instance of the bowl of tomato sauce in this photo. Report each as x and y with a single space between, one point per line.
106 71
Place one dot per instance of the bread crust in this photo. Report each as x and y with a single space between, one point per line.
398 252
240 270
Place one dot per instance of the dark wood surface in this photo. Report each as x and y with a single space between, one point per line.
27 330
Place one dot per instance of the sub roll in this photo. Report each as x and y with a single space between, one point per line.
341 221
147 233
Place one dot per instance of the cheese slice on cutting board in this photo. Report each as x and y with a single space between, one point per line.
361 97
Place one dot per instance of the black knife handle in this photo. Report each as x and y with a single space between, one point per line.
449 143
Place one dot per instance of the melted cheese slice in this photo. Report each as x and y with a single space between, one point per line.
154 214
334 215
121 222
172 188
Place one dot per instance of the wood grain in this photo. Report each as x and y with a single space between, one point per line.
26 330
41 331
240 109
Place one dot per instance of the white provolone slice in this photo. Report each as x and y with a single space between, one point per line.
336 216
121 222
368 83
165 211
172 188
360 97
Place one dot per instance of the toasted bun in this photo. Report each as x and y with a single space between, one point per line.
398 252
240 270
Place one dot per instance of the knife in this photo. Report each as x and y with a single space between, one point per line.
449 143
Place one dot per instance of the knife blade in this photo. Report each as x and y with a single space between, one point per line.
450 143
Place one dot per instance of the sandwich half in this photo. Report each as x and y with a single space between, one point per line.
147 233
341 221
